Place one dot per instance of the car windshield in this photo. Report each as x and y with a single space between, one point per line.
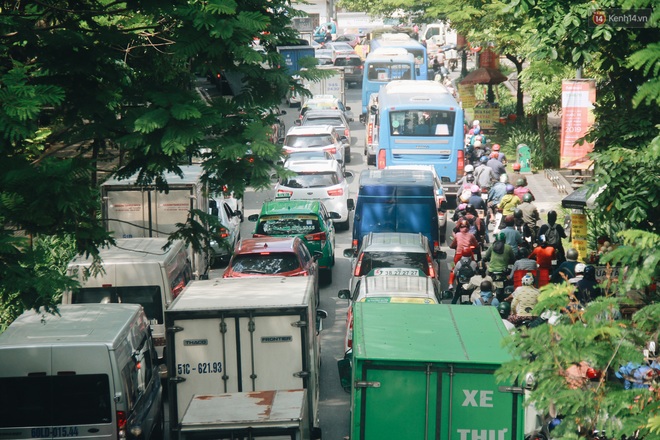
312 180
266 263
348 61
309 155
376 260
317 140
288 225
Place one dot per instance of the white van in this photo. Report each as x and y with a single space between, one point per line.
90 372
135 271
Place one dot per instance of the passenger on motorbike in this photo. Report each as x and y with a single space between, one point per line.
468 171
477 226
544 255
586 290
483 174
566 270
463 272
507 204
496 165
513 237
521 267
500 156
459 213
475 282
521 188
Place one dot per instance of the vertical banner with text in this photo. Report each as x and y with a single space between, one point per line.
577 102
579 233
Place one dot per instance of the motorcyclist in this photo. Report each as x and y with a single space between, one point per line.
508 203
559 229
459 213
544 254
486 295
496 165
460 281
499 255
475 199
500 156
497 191
524 300
463 239
530 217
483 174
587 288
522 266
477 225
513 237
521 188
468 171
567 268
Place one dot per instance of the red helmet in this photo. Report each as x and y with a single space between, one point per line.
516 166
494 155
496 147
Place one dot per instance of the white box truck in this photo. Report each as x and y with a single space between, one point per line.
242 335
333 85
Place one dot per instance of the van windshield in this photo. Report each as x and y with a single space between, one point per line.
76 399
147 296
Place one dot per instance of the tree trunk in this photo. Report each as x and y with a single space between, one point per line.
540 124
520 108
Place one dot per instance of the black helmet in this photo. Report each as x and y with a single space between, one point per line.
552 216
590 272
572 254
517 213
505 309
486 286
528 197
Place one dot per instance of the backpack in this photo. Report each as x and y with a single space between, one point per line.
489 302
552 236
465 273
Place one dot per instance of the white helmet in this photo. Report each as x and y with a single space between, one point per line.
477 144
579 268
469 168
475 122
504 178
528 280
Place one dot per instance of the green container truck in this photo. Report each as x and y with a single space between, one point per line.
422 372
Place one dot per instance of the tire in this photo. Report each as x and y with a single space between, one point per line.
159 430
325 277
343 226
371 159
347 152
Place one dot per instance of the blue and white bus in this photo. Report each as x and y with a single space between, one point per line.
383 66
420 122
404 41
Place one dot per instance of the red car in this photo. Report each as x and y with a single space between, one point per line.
273 256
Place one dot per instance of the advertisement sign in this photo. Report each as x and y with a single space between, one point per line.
466 94
577 102
487 116
579 234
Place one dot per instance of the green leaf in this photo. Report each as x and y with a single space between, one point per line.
152 120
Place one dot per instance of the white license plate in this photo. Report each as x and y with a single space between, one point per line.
498 284
349 70
465 298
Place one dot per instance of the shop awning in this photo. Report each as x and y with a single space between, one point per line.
578 199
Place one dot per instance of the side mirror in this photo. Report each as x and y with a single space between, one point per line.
253 217
283 112
334 215
317 255
441 255
349 174
350 204
320 316
347 108
349 253
238 213
343 139
363 118
280 141
345 367
373 109
297 122
344 294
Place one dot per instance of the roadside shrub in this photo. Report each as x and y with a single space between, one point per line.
525 132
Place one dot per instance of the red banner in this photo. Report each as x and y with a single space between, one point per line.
577 102
490 59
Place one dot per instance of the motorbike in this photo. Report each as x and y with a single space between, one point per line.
499 280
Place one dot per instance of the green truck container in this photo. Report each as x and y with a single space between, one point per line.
422 372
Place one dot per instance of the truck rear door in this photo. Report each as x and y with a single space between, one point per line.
436 403
237 354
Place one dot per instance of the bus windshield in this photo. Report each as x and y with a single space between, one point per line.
385 72
422 123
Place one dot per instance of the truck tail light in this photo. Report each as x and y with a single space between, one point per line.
223 232
336 192
429 261
176 290
349 335
370 133
460 164
347 133
358 265
382 163
121 424
354 243
332 150
319 236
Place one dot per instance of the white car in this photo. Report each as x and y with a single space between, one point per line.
230 215
321 180
316 137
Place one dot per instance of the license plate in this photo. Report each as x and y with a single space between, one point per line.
465 298
498 284
349 70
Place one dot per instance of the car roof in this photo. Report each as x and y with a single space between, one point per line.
325 113
267 244
312 165
395 242
392 286
310 130
275 207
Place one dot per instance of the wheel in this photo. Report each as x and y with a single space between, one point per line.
326 276
158 432
342 226
348 155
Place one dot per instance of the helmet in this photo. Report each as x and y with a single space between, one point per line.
528 280
579 268
462 207
486 286
509 220
474 189
590 272
517 213
467 253
542 239
521 182
572 254
527 197
483 159
509 188
505 309
516 166
477 144
496 147
469 168
477 130
494 155
475 123
504 178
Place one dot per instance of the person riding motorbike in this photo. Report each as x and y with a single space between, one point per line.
486 295
524 300
566 270
521 188
499 256
497 191
463 239
544 255
475 199
496 165
463 272
508 204
483 174
513 237
467 171
530 217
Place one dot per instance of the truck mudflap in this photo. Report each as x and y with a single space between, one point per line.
444 403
